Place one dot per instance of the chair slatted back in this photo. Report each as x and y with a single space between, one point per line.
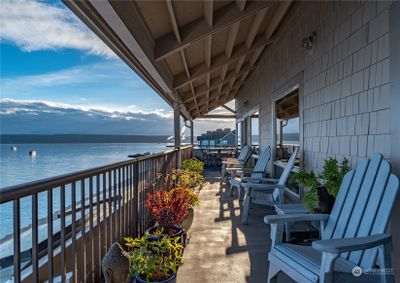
288 168
244 154
363 206
286 173
262 162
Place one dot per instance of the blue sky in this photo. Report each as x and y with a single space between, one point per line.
49 57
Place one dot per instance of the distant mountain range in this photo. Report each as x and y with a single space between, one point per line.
81 138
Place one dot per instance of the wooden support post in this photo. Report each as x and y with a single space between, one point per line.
191 132
177 132
177 125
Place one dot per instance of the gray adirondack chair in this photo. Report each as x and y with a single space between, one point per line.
267 191
257 173
242 159
352 235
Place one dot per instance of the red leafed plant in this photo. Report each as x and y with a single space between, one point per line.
168 208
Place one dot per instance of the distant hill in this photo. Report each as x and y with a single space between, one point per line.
75 138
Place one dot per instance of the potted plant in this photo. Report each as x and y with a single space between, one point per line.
193 164
323 188
168 209
154 261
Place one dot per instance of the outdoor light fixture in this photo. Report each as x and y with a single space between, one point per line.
308 43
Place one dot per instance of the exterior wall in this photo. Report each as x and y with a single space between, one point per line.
345 92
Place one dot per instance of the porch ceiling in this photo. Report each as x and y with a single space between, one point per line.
198 53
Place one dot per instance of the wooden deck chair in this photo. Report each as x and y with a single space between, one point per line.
268 191
257 173
242 159
353 235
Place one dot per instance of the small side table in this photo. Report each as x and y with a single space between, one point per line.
292 208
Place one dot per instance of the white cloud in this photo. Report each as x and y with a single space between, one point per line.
47 117
34 25
12 106
91 73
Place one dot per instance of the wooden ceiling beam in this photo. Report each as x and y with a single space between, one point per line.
241 4
188 96
209 12
178 37
217 116
218 61
251 36
209 16
192 106
199 29
277 18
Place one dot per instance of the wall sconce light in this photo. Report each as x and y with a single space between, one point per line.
308 43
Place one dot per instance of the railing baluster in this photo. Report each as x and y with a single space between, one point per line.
90 252
97 248
123 202
17 241
104 235
83 226
62 232
35 274
110 216
50 234
119 204
115 207
73 233
129 173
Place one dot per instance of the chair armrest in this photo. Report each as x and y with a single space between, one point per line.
232 162
269 180
351 244
291 218
238 168
262 187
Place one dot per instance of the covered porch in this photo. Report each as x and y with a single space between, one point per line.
332 66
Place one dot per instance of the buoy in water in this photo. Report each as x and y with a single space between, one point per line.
32 153
13 148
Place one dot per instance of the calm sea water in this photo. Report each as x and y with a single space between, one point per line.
18 167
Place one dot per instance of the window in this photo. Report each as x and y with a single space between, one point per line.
287 134
254 130
239 134
287 125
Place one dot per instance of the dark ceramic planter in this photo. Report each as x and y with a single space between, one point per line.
172 279
179 232
325 201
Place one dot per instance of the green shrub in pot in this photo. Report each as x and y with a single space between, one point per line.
154 261
333 175
326 185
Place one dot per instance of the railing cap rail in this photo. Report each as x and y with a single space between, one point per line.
26 189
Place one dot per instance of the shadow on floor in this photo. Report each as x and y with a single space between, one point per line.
221 249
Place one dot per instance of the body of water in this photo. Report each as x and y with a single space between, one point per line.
17 167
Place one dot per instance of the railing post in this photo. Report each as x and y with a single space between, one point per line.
135 199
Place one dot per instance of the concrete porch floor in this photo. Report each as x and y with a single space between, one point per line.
220 248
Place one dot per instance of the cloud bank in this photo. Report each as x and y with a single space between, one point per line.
41 117
34 25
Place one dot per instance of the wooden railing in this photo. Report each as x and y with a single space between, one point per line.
89 211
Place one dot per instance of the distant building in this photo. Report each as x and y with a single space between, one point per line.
218 138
